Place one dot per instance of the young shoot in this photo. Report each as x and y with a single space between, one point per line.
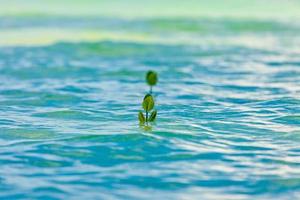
151 79
148 105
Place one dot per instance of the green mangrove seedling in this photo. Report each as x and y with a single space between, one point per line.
148 105
151 79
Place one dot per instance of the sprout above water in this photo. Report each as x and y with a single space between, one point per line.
148 101
148 105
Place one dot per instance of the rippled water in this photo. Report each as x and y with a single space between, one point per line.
227 99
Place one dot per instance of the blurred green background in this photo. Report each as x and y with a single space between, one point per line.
34 22
155 8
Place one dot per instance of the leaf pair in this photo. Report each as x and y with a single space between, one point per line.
152 117
148 105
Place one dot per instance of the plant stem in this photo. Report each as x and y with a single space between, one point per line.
146 116
150 89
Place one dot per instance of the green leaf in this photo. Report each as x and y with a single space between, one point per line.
151 78
153 116
141 118
148 103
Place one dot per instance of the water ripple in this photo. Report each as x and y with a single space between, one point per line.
228 114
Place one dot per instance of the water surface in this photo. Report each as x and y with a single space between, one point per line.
227 99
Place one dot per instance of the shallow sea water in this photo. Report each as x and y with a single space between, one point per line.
228 124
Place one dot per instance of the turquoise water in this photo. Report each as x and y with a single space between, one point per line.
228 101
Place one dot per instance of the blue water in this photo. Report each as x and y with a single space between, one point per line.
228 101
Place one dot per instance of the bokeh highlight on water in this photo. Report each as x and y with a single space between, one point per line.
227 99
